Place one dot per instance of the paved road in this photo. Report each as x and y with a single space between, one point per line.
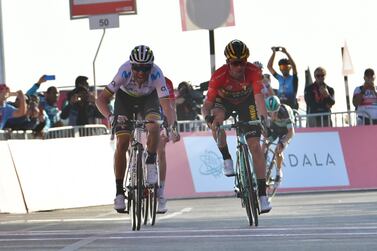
320 221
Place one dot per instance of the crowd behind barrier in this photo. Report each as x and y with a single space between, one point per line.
339 119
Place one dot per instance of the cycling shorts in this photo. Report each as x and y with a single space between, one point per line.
129 106
246 111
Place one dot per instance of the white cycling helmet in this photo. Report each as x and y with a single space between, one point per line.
141 54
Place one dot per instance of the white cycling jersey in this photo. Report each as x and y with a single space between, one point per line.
124 80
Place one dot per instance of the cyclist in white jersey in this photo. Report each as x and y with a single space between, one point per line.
279 126
139 87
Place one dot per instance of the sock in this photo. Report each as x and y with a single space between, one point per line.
261 187
151 158
119 186
225 152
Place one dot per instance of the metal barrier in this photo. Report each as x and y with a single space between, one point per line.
76 131
19 134
338 119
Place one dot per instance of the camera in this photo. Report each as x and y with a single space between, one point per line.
277 48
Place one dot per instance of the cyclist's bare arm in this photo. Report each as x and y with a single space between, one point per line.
261 107
102 102
168 110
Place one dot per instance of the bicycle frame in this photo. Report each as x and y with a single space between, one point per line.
245 179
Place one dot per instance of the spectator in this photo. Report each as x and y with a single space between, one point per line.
365 100
266 89
35 118
187 102
8 111
48 102
80 110
319 98
288 84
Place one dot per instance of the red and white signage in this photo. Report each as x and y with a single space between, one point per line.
85 8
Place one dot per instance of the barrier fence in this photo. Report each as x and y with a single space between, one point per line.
338 119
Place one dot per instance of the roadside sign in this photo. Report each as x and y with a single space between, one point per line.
85 8
104 21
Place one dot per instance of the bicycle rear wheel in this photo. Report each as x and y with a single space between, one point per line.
251 186
145 206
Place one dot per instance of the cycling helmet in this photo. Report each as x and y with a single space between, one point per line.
141 54
272 104
236 49
284 61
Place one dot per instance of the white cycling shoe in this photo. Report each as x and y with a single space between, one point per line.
228 168
119 203
264 204
161 209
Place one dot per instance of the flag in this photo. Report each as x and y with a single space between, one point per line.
308 77
347 63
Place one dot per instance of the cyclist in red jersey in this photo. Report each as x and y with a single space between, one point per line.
161 154
236 86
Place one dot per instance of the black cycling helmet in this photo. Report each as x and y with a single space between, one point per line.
284 61
141 54
236 49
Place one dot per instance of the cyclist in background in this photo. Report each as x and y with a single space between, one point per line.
236 86
139 87
279 126
174 135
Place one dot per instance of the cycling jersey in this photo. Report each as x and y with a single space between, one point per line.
234 91
124 81
284 121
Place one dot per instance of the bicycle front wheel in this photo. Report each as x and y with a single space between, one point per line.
251 186
139 187
153 203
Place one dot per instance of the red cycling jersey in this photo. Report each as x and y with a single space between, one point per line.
169 84
234 91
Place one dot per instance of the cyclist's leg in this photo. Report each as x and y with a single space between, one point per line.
151 111
219 113
247 111
162 168
122 101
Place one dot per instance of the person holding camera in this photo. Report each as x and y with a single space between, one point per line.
319 98
80 110
288 84
8 111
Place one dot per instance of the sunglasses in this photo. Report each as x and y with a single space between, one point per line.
238 63
143 68
320 75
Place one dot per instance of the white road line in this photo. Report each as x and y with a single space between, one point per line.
168 216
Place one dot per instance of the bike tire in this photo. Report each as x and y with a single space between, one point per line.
133 211
145 206
251 187
153 204
139 187
242 186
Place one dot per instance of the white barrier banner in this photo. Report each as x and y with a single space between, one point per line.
311 160
206 164
314 160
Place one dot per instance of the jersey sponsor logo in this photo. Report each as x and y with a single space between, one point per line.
155 76
113 83
126 74
163 89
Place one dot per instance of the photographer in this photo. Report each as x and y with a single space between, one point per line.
8 111
80 110
188 102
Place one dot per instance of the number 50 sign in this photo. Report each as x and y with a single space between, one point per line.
104 21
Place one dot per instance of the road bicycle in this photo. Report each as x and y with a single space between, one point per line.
271 168
245 180
141 197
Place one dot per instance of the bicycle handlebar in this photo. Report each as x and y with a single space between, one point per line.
241 123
